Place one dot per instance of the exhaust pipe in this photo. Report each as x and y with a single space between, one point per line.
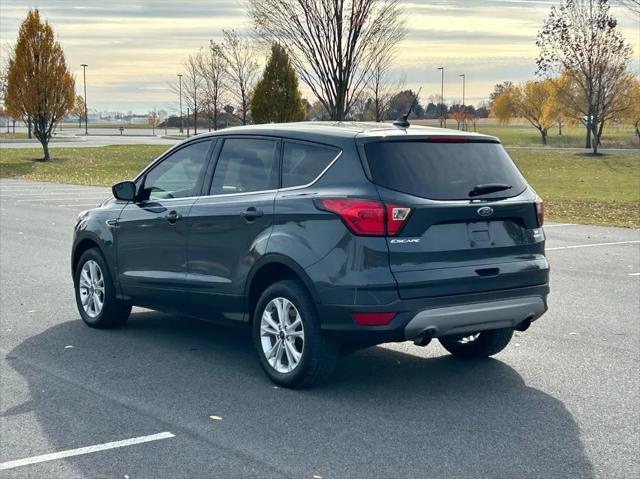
423 338
524 325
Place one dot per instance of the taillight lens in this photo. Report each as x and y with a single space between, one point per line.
368 218
373 319
540 211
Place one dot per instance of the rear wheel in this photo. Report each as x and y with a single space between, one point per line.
478 345
291 348
95 293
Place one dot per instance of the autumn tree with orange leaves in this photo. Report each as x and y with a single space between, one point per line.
39 85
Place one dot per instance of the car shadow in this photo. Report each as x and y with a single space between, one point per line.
384 414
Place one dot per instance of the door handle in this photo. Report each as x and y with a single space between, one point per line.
251 213
173 216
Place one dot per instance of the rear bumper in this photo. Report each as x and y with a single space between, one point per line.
440 316
469 318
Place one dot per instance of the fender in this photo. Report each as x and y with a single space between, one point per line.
108 252
276 258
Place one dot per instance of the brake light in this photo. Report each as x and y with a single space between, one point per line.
447 139
540 211
366 217
373 319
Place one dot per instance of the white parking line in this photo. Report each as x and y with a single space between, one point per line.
84 450
97 198
95 205
46 193
559 224
592 244
634 274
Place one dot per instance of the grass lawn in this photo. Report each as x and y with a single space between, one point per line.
521 133
101 166
603 190
13 136
576 188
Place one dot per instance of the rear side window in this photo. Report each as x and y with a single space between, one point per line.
302 163
443 171
246 165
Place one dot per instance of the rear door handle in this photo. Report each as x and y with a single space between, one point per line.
251 213
173 216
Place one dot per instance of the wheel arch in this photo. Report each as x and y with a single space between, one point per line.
270 269
80 247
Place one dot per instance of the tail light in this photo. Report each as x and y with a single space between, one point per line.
373 319
366 217
540 211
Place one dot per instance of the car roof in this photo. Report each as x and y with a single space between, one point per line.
322 131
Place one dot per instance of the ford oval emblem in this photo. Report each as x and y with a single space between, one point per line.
485 211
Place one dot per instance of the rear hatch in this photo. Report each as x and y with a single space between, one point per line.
473 224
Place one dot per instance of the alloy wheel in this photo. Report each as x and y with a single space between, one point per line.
91 288
282 335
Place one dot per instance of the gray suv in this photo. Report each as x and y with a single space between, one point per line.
323 238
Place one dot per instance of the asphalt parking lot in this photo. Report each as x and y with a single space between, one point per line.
173 397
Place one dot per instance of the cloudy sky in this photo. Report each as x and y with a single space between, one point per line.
135 48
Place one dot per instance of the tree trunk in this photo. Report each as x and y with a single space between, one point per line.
29 126
195 119
45 149
600 128
587 143
559 128
543 133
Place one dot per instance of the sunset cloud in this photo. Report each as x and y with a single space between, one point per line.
134 49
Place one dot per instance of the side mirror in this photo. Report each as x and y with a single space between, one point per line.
125 191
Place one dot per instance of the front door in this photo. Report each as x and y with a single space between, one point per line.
230 227
152 232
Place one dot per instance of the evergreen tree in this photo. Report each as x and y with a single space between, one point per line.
277 98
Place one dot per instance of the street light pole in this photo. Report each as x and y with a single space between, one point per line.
443 118
180 77
464 110
86 118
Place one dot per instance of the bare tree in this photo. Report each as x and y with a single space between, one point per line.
381 86
579 41
633 5
214 72
333 44
192 91
242 70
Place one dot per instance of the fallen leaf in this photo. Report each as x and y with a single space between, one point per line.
216 418
573 334
69 347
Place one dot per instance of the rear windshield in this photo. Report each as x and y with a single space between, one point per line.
443 171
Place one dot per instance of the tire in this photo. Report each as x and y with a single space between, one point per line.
486 343
305 356
92 274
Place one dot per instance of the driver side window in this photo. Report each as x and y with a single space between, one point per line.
179 175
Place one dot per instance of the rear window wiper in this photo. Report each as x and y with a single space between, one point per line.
488 188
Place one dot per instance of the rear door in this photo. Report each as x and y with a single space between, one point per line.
229 227
473 224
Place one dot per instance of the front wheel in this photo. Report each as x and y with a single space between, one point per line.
478 345
95 293
291 348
